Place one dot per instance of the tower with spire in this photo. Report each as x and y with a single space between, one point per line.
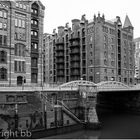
127 24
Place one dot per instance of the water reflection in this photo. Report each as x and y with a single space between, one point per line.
114 126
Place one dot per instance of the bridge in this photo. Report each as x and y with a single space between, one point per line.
74 85
78 99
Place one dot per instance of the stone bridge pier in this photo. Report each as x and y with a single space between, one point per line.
86 103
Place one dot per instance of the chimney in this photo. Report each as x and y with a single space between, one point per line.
75 24
60 30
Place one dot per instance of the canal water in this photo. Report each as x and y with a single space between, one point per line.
114 126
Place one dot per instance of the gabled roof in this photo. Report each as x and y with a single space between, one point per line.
127 22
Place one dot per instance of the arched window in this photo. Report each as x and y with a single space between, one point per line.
34 22
35 9
3 57
34 33
105 38
20 49
3 74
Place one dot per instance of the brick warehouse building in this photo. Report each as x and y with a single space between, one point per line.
137 59
96 50
21 34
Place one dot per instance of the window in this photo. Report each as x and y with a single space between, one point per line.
112 71
105 62
34 77
105 38
5 14
34 62
90 78
90 45
34 33
34 46
0 39
3 57
34 22
91 70
20 66
20 5
0 25
120 79
106 78
5 40
19 49
105 46
15 66
17 4
19 22
35 9
3 74
24 7
125 80
91 62
112 78
112 47
20 36
105 54
112 63
16 22
131 80
5 26
112 56
112 40
23 23
90 53
105 70
1 14
23 66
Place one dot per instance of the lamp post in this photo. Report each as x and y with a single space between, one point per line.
45 115
84 93
16 117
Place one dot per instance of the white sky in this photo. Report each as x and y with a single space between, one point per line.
59 12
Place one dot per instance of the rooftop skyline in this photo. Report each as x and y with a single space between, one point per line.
59 12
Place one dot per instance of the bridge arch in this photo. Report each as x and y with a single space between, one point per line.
112 85
75 84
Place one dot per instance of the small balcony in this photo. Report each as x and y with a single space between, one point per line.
60 48
33 26
75 73
74 38
60 73
59 42
74 51
75 66
60 67
60 54
60 61
75 44
75 59
34 37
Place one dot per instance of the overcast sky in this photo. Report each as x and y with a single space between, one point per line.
59 12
